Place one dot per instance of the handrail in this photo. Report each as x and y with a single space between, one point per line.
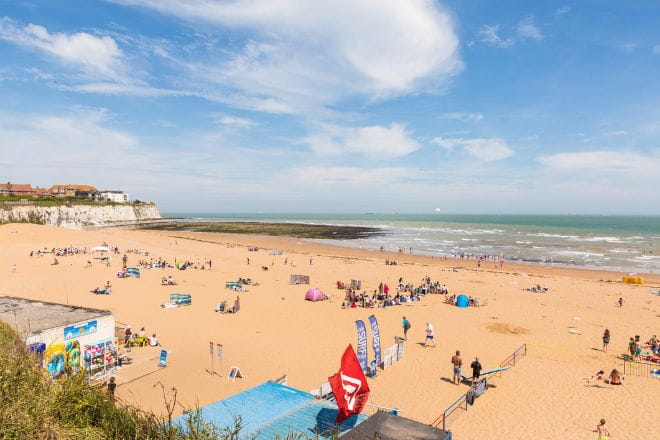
509 361
641 368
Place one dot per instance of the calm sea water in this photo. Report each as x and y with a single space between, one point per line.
626 243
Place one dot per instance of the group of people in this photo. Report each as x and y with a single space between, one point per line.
472 301
168 281
538 289
406 294
60 252
139 338
615 377
652 346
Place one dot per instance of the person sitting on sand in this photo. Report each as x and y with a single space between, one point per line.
615 378
153 341
597 376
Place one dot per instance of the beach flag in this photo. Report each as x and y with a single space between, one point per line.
375 333
362 344
349 386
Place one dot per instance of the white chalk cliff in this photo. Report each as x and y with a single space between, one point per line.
79 216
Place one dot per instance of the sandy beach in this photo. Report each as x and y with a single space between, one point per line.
276 332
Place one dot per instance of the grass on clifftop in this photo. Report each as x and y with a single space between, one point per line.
34 407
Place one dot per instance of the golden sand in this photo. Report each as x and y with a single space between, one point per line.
277 332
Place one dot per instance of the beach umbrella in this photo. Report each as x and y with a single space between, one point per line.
315 294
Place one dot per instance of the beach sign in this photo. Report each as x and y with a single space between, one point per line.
76 331
163 359
234 372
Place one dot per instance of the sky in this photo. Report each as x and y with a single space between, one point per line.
470 106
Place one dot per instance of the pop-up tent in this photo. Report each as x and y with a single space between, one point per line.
315 294
462 301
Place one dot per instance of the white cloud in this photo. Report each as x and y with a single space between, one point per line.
483 149
656 49
373 141
96 56
489 34
111 88
604 161
235 121
627 47
309 54
464 116
563 10
615 133
527 29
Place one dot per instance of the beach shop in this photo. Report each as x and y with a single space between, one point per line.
67 338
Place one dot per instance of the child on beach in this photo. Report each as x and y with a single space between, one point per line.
597 376
606 339
603 432
429 335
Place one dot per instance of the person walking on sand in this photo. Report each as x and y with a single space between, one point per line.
457 363
13 268
606 339
430 334
112 386
620 302
602 431
406 326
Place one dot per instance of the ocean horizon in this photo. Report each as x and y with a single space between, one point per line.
626 243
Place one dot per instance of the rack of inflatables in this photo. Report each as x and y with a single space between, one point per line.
465 400
100 359
642 369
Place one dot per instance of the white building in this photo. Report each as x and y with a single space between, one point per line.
68 338
113 196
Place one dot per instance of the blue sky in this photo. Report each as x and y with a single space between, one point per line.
337 106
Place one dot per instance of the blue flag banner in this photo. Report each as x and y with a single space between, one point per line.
362 344
376 338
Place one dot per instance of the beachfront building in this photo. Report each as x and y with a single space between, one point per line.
68 338
21 190
72 190
112 196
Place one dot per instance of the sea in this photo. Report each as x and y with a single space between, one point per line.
622 243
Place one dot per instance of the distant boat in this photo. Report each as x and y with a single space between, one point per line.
437 210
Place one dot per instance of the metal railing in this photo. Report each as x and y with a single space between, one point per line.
641 368
510 361
462 401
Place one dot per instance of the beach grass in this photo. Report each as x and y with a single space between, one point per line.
32 406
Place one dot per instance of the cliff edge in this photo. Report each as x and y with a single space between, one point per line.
80 216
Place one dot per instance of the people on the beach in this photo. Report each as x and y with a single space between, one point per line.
602 431
606 339
597 376
616 378
153 341
457 363
406 326
476 369
430 335
620 302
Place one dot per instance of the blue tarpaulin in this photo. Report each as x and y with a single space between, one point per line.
271 409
